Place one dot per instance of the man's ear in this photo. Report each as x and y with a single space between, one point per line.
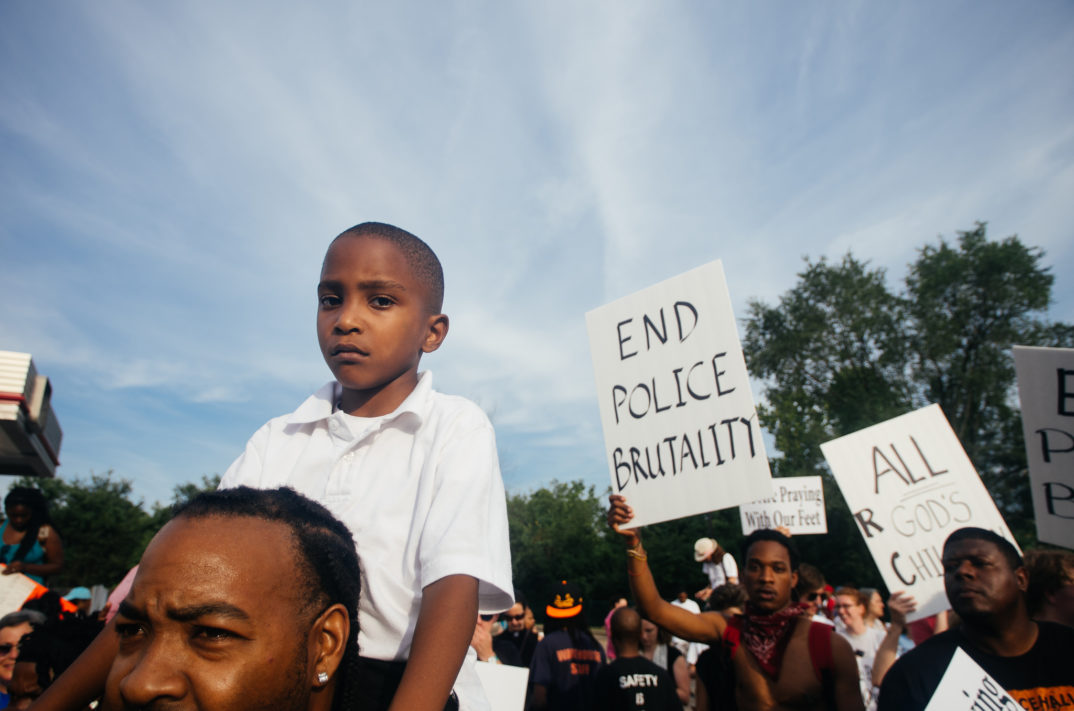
328 643
437 329
1021 575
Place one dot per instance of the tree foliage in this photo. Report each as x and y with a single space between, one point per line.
104 531
559 532
841 351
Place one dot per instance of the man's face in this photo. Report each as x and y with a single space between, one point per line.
215 621
814 599
851 612
980 581
372 320
516 618
769 579
9 649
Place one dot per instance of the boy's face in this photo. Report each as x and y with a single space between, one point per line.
769 578
373 323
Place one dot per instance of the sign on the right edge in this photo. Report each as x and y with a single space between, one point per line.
909 484
1046 391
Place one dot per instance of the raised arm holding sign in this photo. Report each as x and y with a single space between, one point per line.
680 425
776 658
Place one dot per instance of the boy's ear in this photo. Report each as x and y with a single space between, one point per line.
436 333
329 636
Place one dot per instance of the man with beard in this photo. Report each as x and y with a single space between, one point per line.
986 583
773 656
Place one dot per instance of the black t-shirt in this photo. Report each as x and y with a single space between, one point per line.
1042 678
635 684
525 642
567 668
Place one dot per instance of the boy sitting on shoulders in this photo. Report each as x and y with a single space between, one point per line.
413 473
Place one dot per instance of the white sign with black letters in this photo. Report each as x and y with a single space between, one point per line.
1046 391
796 503
965 686
909 484
680 424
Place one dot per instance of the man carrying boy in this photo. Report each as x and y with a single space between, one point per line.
778 659
412 472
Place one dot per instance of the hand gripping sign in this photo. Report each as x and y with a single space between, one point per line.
680 424
909 485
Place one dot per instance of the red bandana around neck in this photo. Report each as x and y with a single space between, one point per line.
766 636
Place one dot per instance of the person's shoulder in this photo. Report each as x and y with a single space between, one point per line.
930 658
460 410
1055 634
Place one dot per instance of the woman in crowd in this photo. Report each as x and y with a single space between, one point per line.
29 543
655 648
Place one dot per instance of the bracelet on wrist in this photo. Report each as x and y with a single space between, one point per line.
637 553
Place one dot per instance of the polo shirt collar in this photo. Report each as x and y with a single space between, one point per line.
321 405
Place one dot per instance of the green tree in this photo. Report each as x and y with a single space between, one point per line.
559 531
833 354
968 305
102 529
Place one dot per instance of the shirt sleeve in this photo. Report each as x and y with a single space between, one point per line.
466 531
729 566
246 469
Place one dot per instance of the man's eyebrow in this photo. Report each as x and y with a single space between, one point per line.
129 611
216 609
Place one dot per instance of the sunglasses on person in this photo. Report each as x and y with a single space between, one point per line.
821 596
516 618
5 649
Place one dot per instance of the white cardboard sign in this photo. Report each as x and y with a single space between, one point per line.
680 424
505 686
1046 391
796 502
909 485
965 686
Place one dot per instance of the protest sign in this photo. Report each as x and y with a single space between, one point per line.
965 686
909 485
1046 391
680 424
505 686
15 590
796 502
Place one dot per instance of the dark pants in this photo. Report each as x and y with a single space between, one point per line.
377 682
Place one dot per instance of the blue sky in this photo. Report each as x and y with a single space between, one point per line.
171 174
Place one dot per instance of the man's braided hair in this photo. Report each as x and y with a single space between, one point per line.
326 557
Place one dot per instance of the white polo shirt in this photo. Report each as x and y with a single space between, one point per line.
420 490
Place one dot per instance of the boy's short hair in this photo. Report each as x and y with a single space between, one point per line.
420 256
768 534
972 533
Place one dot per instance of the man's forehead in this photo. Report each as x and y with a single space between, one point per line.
971 548
768 551
241 555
